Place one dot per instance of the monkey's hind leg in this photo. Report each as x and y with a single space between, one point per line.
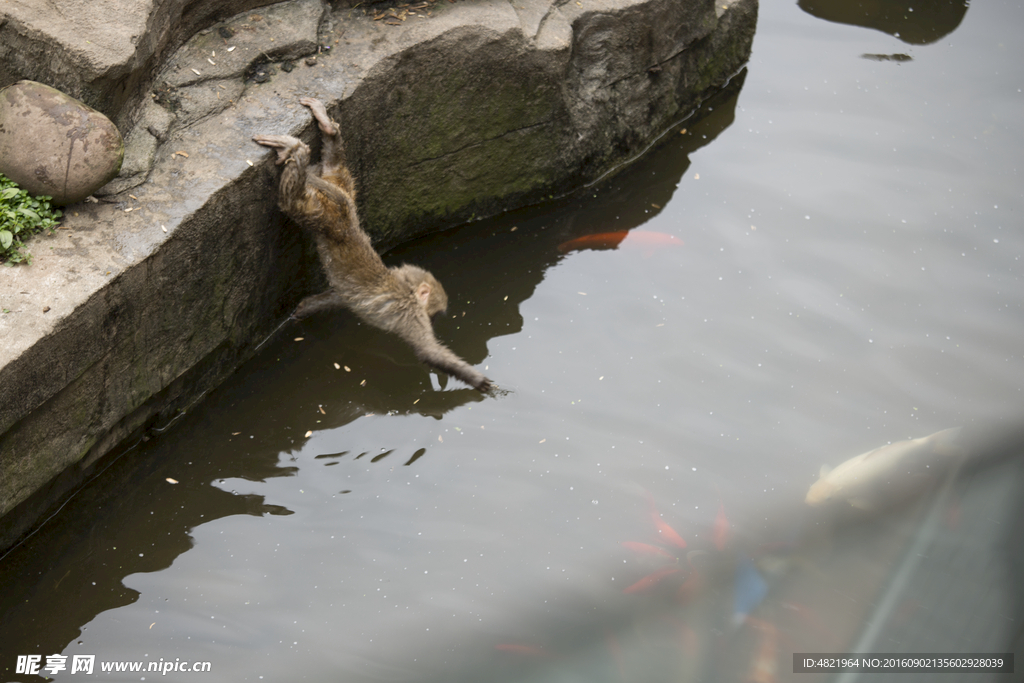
316 303
332 161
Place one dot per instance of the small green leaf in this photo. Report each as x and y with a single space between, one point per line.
6 238
8 193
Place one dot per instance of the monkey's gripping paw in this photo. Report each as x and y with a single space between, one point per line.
286 145
319 111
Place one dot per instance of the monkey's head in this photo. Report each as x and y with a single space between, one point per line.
425 287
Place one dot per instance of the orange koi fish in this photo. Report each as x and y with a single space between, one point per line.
666 533
611 240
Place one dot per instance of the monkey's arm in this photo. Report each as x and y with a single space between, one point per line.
295 198
435 354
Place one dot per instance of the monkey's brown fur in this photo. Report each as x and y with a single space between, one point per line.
321 199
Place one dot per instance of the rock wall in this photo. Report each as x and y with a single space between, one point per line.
104 55
143 302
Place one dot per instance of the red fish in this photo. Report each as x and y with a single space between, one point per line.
650 580
610 240
666 533
646 549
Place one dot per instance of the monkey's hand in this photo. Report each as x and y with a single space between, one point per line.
440 357
285 145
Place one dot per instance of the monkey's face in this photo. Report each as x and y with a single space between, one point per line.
425 287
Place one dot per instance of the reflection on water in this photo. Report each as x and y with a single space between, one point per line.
827 262
916 23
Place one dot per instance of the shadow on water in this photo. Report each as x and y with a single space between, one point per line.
915 23
504 268
139 513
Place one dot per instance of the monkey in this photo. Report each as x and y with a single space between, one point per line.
402 299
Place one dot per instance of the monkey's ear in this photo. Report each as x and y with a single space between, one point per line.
423 294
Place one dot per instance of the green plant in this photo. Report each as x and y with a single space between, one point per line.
21 216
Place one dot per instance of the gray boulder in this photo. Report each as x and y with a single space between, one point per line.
52 144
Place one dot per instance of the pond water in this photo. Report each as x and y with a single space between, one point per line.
827 261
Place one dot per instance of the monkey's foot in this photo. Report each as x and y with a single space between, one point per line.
284 144
319 111
317 302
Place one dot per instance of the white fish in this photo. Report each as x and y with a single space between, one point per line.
887 474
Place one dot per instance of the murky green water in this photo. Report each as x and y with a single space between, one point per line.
846 272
